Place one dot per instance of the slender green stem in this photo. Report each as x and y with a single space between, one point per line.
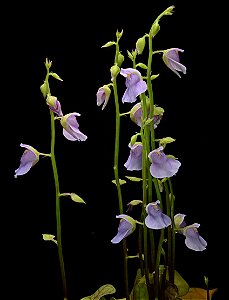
58 219
157 267
150 91
57 189
173 230
116 174
145 186
170 244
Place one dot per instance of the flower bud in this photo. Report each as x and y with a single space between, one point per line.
133 139
114 71
44 89
140 45
51 100
155 28
120 59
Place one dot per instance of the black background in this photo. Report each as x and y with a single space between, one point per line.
71 36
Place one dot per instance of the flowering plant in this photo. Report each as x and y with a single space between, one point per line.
157 223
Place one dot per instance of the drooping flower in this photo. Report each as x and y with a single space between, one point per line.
134 161
162 166
71 127
54 105
156 219
103 95
172 60
28 159
127 225
135 85
136 114
192 238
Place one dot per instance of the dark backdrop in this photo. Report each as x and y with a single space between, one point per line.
71 36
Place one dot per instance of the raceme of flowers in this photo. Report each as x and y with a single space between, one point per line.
162 166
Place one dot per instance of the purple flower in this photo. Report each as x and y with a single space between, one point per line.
54 105
71 128
134 161
162 166
156 219
136 114
192 238
127 225
134 83
29 158
172 60
103 95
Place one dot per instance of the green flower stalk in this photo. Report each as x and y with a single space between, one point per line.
57 188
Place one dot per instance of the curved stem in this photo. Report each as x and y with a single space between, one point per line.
58 219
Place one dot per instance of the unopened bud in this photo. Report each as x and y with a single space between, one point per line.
140 45
114 71
120 59
155 28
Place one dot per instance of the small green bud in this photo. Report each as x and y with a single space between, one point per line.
114 71
120 59
48 63
133 110
140 45
44 89
133 139
51 100
130 55
158 110
119 34
155 28
169 11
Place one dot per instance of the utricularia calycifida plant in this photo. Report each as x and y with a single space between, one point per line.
31 156
159 223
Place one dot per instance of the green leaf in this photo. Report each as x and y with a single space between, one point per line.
102 291
181 284
135 202
54 75
121 181
134 178
139 291
141 65
44 89
76 198
152 77
108 44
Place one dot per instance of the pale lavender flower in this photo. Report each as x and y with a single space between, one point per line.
192 238
103 95
28 159
172 60
162 166
134 83
134 161
71 127
127 225
156 219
